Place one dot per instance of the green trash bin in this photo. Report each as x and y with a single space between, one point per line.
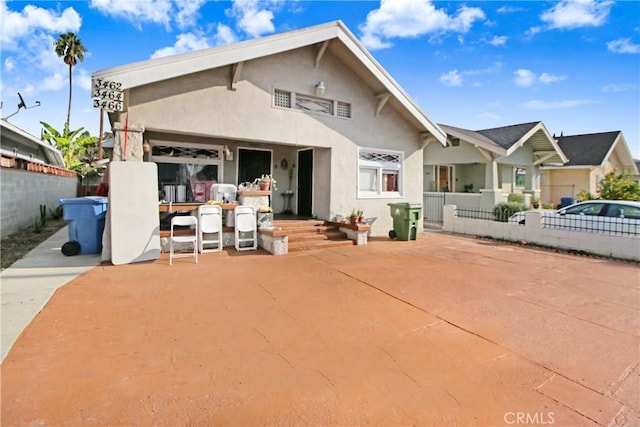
406 220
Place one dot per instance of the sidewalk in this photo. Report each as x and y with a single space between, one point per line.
30 282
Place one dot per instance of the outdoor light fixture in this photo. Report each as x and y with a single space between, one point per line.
320 87
227 153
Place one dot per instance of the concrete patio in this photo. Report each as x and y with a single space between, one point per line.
445 330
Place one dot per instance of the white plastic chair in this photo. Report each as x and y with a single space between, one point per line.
246 229
210 222
226 192
187 221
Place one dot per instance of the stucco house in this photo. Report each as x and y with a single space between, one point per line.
591 157
480 168
311 107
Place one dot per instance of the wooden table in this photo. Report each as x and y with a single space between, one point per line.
193 206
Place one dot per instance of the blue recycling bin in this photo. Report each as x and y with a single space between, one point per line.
85 217
566 201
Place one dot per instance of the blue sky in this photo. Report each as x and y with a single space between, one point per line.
575 65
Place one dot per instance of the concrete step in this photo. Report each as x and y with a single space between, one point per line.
328 235
318 244
288 224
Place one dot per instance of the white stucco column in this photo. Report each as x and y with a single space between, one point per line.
492 193
127 138
127 146
532 181
491 175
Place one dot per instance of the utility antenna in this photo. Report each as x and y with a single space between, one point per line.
21 105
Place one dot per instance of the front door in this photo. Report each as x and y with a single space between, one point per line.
305 182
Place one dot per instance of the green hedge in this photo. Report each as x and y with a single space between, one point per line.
504 210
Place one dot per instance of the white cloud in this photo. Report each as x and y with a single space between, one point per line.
619 88
545 105
136 12
493 68
411 19
9 64
187 15
452 78
82 79
576 14
509 9
17 26
224 35
546 78
255 17
55 81
489 116
524 77
186 42
498 40
623 46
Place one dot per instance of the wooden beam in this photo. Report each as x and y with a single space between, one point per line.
425 139
320 53
485 153
543 158
236 69
382 99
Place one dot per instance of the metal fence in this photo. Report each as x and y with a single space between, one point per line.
477 213
594 224
433 207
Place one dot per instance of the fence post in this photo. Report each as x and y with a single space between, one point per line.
448 217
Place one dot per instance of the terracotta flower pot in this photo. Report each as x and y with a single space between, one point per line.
264 185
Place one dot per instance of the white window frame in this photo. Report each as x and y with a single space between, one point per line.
380 167
213 160
516 186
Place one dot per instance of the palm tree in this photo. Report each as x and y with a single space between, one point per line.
70 48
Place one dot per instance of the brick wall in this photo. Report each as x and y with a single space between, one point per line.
22 192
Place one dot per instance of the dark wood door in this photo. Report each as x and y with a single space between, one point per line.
305 182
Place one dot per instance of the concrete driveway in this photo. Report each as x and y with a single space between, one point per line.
445 330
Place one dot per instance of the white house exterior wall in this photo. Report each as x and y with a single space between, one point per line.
202 104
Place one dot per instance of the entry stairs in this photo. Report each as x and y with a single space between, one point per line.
305 235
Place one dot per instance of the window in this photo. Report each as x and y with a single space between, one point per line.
379 173
519 177
186 171
311 104
282 98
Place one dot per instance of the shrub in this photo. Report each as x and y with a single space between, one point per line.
56 213
516 198
584 195
504 210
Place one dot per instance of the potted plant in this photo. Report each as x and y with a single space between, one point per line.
353 218
265 182
360 216
535 202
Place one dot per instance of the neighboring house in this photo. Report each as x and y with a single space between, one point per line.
591 157
311 107
484 166
31 174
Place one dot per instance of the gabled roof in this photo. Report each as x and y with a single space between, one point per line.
156 70
508 136
505 140
593 150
